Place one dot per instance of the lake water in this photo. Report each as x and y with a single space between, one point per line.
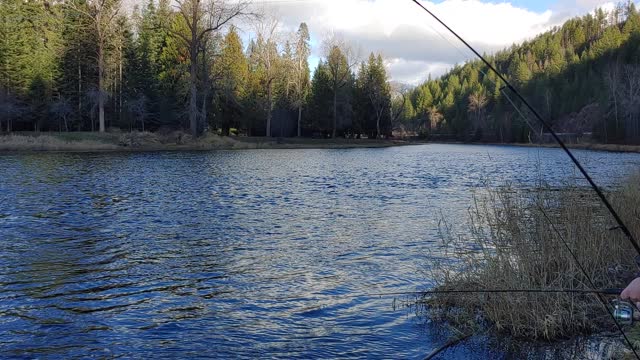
240 253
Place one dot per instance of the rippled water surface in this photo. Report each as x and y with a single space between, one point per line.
236 254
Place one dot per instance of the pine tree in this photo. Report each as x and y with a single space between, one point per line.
321 98
232 88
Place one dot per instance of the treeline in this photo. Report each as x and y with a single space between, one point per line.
583 76
86 65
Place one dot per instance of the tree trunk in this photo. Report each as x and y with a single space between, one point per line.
269 95
205 90
615 107
193 105
120 92
203 112
300 121
100 86
335 112
79 93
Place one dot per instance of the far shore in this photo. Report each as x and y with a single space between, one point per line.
141 142
594 147
178 141
586 146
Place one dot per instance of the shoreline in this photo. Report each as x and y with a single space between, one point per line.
619 148
148 142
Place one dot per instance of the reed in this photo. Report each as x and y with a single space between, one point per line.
511 244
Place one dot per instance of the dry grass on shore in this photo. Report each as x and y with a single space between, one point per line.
593 147
514 246
50 143
176 140
129 141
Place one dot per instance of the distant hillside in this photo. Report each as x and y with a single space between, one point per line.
583 76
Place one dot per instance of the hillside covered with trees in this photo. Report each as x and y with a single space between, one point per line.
583 76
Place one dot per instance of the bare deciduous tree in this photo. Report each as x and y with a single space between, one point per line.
628 93
102 15
477 105
95 98
612 78
268 56
61 109
298 81
341 58
138 108
202 17
435 117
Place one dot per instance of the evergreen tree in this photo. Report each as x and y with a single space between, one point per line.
321 99
372 82
232 88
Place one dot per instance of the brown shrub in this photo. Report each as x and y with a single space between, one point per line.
512 245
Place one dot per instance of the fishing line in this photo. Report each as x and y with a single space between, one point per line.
525 118
577 163
317 297
548 128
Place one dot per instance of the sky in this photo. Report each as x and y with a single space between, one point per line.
413 44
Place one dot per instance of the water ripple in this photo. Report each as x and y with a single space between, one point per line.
238 254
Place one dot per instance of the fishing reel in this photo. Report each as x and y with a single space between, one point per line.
623 311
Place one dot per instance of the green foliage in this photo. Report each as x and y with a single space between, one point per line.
48 53
30 41
233 71
374 98
560 72
320 99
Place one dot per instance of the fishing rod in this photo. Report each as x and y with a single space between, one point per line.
621 225
625 310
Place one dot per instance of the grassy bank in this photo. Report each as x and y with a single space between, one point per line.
595 147
146 141
590 146
514 241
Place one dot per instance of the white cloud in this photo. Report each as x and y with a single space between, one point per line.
410 39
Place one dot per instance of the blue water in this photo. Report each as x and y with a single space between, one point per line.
240 253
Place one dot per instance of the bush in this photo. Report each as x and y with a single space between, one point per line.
512 245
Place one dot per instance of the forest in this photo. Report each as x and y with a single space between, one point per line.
92 65
584 77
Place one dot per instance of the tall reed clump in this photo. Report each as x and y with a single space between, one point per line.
514 243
